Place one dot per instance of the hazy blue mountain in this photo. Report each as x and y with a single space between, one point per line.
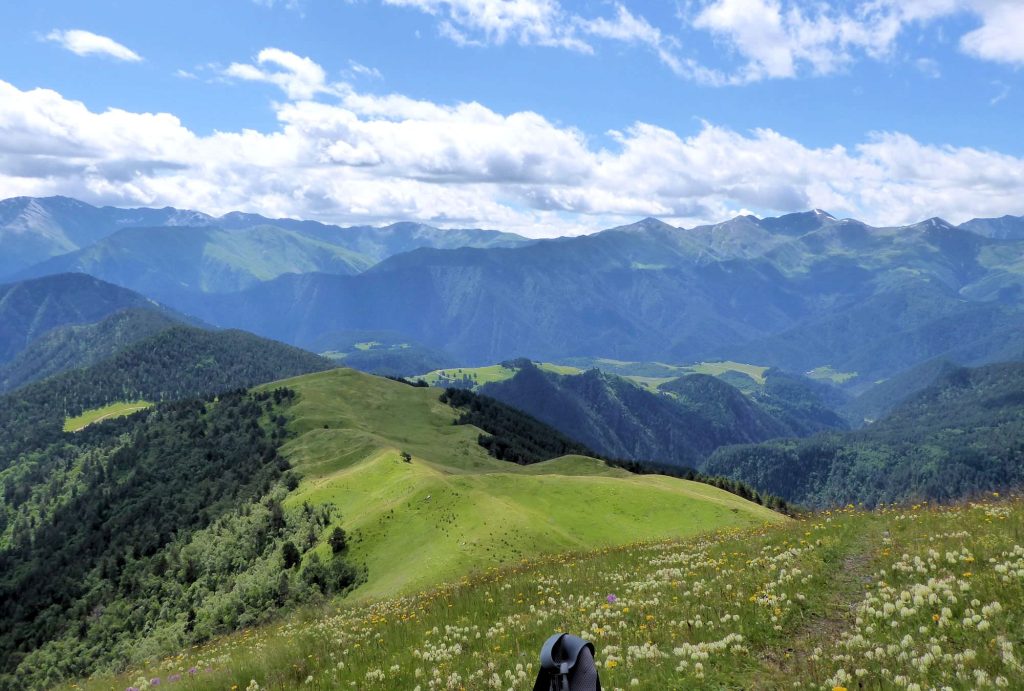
33 230
174 263
30 309
378 243
381 352
1003 228
798 292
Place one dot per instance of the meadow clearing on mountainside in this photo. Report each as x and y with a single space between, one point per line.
119 409
908 597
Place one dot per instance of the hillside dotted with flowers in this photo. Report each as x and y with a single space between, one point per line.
915 597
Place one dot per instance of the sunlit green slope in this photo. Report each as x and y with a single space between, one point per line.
452 508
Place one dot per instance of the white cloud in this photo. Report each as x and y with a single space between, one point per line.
360 70
86 43
1001 35
783 38
297 76
629 28
366 158
527 22
772 39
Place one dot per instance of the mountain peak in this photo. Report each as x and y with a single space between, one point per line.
646 224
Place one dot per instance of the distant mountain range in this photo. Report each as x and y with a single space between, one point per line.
801 292
33 230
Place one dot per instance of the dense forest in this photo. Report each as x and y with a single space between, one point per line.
180 362
961 436
510 434
681 423
153 532
81 345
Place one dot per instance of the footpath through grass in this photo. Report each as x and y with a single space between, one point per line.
915 598
119 409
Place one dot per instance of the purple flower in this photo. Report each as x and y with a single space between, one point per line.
612 599
173 678
155 681
192 671
132 688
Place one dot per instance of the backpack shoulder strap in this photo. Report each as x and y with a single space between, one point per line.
547 659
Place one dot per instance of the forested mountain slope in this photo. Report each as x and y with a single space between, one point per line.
680 424
962 435
29 309
73 346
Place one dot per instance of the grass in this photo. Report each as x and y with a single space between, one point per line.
716 369
908 597
119 409
826 373
368 345
453 508
486 374
648 375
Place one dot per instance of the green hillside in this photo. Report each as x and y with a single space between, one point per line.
453 508
306 488
912 597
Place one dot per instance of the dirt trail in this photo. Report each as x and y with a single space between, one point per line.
783 666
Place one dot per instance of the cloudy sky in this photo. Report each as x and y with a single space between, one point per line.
543 117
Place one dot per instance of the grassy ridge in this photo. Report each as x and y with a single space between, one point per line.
453 508
911 597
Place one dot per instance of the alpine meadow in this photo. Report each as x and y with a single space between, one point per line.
475 345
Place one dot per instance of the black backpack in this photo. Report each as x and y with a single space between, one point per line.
567 664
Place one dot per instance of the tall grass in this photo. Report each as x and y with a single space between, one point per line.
911 597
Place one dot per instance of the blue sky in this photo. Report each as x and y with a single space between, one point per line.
583 114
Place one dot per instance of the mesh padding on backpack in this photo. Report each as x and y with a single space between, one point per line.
584 674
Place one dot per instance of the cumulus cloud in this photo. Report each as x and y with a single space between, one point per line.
298 77
86 43
367 158
783 38
1001 35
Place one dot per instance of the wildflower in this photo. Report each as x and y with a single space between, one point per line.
612 599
